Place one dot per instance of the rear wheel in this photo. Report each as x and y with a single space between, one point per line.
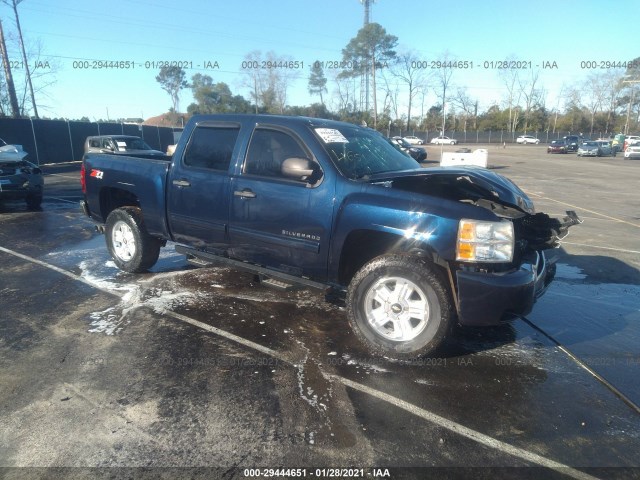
130 245
399 306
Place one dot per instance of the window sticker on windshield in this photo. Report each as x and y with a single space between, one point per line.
331 135
122 146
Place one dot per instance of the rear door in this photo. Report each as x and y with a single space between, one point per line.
275 220
198 186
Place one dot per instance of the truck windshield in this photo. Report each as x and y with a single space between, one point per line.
359 152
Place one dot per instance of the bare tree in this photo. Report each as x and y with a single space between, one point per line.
509 78
556 110
443 80
268 80
28 80
592 96
43 76
407 70
531 93
612 87
344 93
391 104
467 105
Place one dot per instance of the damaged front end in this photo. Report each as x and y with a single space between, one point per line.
487 295
541 232
498 272
490 293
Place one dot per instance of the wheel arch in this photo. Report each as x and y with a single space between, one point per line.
112 198
362 246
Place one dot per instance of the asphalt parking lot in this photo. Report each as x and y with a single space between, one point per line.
204 373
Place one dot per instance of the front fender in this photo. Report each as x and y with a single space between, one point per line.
415 222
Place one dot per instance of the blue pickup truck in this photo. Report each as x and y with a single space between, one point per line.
332 206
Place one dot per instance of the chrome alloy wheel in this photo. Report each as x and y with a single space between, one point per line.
396 308
123 241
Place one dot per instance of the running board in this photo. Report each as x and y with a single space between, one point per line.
280 279
275 283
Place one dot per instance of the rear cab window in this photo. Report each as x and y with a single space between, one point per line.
211 147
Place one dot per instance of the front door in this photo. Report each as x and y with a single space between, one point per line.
276 220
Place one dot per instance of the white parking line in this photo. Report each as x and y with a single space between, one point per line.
585 209
76 202
600 247
72 276
75 177
431 417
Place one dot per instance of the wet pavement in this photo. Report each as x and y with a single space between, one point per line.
205 368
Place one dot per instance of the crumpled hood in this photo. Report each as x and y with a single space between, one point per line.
472 183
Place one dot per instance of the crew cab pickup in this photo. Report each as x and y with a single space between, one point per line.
333 206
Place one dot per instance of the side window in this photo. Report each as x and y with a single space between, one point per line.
268 149
211 147
106 143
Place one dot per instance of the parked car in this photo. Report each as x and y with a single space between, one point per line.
413 140
119 145
442 140
333 206
524 139
557 146
630 140
19 178
419 154
572 142
589 149
605 148
632 152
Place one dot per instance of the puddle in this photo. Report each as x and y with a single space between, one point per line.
597 322
569 272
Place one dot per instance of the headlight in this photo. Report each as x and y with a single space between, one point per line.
484 241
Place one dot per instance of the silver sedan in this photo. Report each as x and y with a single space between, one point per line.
593 149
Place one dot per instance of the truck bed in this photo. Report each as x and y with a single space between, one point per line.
111 177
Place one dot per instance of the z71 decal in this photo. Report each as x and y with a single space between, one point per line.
97 173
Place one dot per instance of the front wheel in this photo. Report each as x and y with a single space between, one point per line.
399 306
130 245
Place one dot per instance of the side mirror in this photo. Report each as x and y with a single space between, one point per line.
298 168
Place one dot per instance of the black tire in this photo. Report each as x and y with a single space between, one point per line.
34 201
138 252
423 334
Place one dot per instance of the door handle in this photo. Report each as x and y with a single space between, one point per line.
181 183
244 194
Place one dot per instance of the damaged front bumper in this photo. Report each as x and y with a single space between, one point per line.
486 299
